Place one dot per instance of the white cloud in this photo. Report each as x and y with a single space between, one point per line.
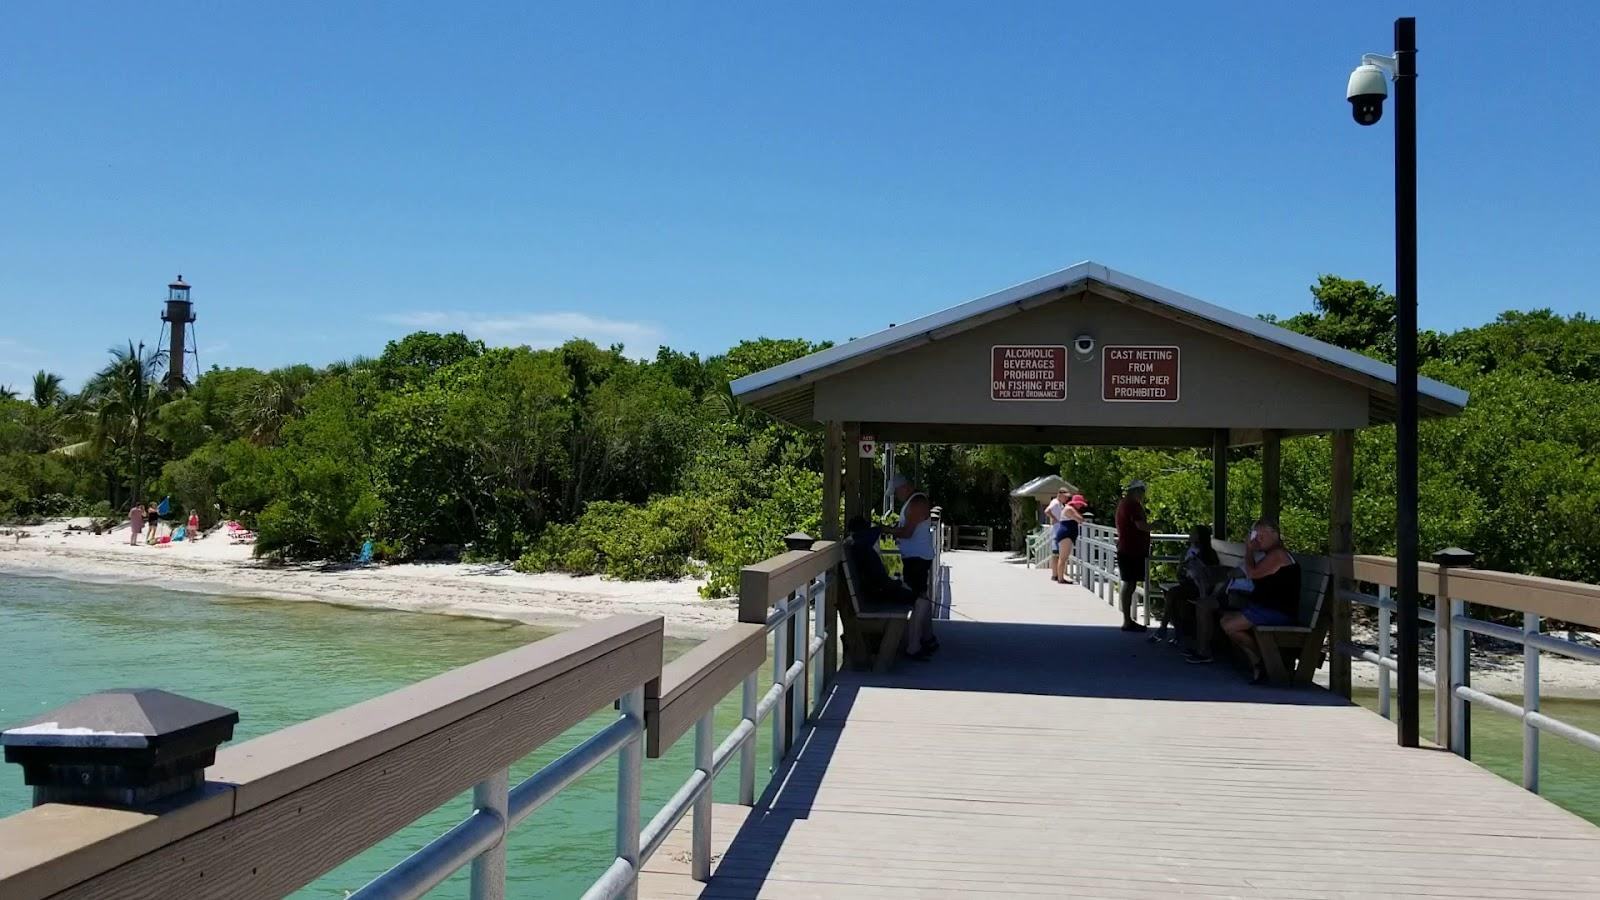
534 329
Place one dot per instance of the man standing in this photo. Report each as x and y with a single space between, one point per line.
1133 548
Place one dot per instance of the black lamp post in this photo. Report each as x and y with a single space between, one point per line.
1365 93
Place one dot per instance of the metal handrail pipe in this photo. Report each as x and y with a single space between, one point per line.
1536 719
437 860
1488 629
614 882
1387 662
1361 653
769 701
779 613
542 786
732 744
1490 700
793 673
1423 613
1572 733
655 834
1542 641
817 643
1564 647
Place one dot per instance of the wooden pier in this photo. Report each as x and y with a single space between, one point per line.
1046 753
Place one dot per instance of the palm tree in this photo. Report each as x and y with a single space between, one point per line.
126 395
47 389
272 402
7 392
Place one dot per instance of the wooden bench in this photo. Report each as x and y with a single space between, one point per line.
1291 654
886 622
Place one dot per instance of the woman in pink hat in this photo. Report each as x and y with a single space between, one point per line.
1067 514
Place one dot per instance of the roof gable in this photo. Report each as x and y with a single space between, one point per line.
771 388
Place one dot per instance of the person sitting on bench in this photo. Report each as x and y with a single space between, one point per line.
1273 597
876 587
1196 575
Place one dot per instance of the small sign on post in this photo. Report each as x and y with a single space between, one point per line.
1028 372
1134 374
867 447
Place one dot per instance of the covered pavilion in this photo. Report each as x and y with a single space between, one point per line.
1088 356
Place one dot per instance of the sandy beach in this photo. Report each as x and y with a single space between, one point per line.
214 565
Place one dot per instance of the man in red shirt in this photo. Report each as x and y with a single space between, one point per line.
1133 548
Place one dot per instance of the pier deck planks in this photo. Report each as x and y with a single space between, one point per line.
1046 754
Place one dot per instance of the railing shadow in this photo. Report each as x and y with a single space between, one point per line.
743 868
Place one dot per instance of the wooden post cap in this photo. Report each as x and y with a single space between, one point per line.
799 540
1455 556
121 748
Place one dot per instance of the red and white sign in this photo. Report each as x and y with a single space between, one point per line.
867 447
1028 372
1138 374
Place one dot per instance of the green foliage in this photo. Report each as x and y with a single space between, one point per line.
739 537
580 459
660 539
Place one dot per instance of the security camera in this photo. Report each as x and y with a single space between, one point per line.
1084 344
1369 85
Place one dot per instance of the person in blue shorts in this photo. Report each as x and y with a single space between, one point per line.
1273 599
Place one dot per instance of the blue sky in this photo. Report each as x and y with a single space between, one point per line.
332 175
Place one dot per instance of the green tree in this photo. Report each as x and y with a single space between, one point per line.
47 389
126 396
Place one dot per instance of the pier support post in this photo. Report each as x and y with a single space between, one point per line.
1271 474
700 827
493 796
1451 716
833 462
630 777
1341 545
1219 484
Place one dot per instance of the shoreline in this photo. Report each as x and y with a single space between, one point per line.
478 590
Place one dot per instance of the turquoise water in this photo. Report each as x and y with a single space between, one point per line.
281 662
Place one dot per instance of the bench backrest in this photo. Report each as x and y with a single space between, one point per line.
851 579
1315 576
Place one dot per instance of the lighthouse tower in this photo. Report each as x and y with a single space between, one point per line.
176 336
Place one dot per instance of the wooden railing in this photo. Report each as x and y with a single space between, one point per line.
1450 590
280 810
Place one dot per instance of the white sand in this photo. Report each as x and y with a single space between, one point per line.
1496 669
215 565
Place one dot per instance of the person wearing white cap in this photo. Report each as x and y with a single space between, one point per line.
1133 548
913 533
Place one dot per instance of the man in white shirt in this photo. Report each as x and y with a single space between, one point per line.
913 534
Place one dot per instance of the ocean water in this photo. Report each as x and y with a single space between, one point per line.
281 662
